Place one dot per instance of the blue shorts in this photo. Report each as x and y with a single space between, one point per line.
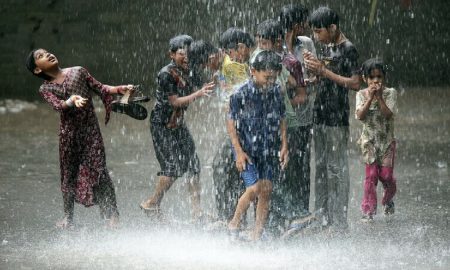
260 169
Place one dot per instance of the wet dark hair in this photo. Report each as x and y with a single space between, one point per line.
270 29
292 14
199 51
232 36
323 17
267 60
30 63
372 64
179 42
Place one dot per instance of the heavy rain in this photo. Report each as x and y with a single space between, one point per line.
127 42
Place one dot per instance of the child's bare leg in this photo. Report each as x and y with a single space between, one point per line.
106 199
194 191
242 206
162 187
262 208
69 203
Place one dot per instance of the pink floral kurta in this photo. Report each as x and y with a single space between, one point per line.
81 149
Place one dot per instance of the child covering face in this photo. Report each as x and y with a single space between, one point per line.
376 107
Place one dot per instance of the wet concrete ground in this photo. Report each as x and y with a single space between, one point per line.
416 237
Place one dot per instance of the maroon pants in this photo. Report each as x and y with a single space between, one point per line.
375 172
383 172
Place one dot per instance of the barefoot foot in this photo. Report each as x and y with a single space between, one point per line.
65 223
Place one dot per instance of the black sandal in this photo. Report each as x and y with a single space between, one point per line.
127 105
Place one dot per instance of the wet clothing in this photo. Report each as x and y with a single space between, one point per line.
290 194
294 66
175 151
171 81
172 141
378 132
227 184
257 115
332 175
81 149
331 123
304 111
385 174
235 73
331 107
294 188
378 144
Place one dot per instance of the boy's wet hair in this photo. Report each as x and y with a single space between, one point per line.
323 17
232 36
199 52
373 64
270 29
30 63
292 14
180 42
267 60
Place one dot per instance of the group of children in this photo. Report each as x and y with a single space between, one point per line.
277 94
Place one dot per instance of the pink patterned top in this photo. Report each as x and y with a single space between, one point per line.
81 149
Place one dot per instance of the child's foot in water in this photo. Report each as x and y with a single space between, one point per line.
113 222
65 223
152 210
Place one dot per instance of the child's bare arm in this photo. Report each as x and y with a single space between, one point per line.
300 96
74 100
177 101
241 157
385 111
361 111
121 89
319 68
284 152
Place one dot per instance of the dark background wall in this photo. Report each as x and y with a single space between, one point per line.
126 41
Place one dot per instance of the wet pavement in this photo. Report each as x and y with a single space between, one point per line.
416 237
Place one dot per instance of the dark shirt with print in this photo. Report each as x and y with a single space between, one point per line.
331 107
257 115
171 81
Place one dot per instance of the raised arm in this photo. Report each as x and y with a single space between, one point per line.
177 101
384 108
60 104
363 104
353 82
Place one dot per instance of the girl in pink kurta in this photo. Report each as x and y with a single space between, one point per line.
84 176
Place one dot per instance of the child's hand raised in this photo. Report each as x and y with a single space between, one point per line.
378 92
372 90
307 54
206 90
123 90
314 65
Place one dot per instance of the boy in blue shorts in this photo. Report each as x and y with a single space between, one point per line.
257 128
